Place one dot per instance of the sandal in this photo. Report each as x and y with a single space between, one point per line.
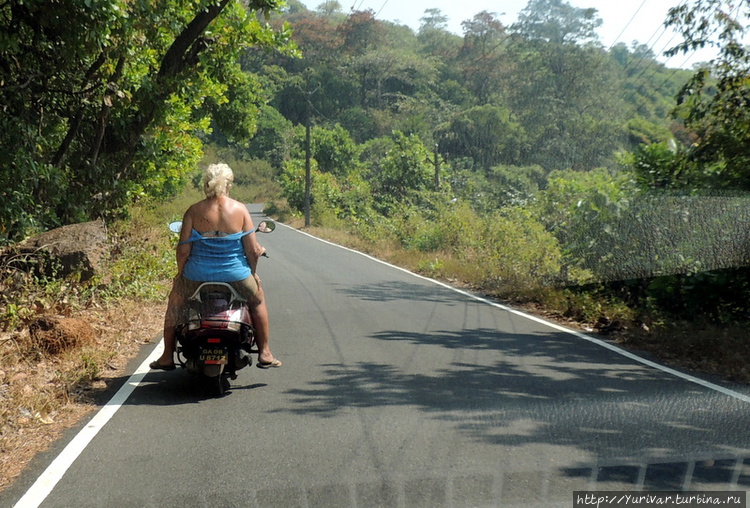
268 365
155 365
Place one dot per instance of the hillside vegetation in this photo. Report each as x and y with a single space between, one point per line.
525 159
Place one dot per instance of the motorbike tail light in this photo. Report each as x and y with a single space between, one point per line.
214 341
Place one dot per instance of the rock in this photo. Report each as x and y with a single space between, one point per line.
69 249
55 334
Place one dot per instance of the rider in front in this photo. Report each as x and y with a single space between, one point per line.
217 245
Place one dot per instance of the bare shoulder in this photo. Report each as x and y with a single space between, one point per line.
190 212
197 206
240 207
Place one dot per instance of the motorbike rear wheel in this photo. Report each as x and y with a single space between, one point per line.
220 385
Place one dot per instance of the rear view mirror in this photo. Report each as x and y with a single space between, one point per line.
266 226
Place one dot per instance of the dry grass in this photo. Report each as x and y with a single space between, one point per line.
65 342
42 394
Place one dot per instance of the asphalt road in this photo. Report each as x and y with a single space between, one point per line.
397 391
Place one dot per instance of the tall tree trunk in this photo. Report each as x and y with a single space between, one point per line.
75 122
105 111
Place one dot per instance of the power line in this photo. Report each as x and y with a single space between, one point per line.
617 39
381 8
636 62
690 55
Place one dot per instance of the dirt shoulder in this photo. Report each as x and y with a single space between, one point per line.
35 410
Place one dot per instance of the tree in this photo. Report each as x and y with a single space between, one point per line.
361 32
714 104
317 37
482 58
329 8
386 75
404 173
335 151
102 100
435 39
433 19
273 139
557 22
485 134
569 100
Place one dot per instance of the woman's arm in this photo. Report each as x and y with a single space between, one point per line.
183 249
253 249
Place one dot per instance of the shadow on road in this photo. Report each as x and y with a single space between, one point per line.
647 429
399 290
169 389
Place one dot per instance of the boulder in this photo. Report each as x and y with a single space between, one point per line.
75 248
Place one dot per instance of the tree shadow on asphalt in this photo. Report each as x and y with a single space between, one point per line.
543 388
393 290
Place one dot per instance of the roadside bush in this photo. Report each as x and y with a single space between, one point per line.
508 253
518 256
341 198
438 225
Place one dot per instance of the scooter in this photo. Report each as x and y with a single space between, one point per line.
217 337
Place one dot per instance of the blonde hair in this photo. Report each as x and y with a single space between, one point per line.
217 179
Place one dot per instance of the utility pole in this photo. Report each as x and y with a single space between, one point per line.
307 93
437 168
308 156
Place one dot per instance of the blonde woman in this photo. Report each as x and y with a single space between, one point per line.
233 259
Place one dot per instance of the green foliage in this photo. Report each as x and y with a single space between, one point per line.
103 100
485 134
437 225
573 118
519 254
508 252
713 104
345 198
483 58
539 93
335 151
404 172
514 185
656 166
643 132
499 187
547 143
273 140
558 22
718 296
580 208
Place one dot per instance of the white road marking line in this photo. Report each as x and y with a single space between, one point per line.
38 492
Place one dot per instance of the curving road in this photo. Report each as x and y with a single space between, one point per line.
397 391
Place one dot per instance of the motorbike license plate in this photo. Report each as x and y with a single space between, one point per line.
214 356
